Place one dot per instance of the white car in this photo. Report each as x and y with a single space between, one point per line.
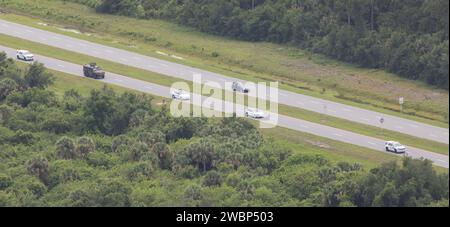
396 147
254 113
181 95
25 55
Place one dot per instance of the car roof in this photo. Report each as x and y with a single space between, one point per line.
23 51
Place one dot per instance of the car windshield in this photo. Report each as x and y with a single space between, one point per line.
25 52
397 144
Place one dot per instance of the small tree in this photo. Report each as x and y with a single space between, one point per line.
212 178
36 76
7 86
85 145
39 167
65 148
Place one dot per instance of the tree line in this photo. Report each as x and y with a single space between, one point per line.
405 37
116 149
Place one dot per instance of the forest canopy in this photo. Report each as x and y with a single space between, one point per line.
406 37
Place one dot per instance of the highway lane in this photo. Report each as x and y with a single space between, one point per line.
339 110
283 121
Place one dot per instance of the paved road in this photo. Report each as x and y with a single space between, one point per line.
185 72
283 121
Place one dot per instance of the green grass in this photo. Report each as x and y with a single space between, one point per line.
297 70
283 109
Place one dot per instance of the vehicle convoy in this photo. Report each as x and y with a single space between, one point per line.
254 113
396 147
92 70
25 55
181 95
237 86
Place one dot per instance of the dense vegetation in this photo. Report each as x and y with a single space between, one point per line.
406 37
110 149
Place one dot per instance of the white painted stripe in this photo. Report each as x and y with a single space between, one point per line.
61 66
159 63
365 119
414 126
346 110
338 135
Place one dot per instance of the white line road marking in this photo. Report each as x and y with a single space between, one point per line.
346 110
314 102
61 66
118 80
56 37
371 143
304 126
414 126
29 31
365 119
338 135
164 65
18 33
